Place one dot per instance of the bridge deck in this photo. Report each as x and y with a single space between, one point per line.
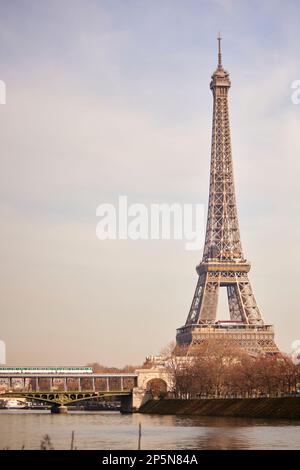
65 397
67 376
62 384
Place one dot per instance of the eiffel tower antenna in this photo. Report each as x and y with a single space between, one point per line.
219 52
223 263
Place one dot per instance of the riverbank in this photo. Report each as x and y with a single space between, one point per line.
285 407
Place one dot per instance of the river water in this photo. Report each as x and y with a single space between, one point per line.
111 430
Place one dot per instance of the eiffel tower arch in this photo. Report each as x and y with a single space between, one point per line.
223 263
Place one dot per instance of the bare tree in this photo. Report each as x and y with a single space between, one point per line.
223 369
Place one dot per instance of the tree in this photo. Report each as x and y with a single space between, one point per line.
223 369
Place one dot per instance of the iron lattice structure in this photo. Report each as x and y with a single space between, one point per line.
223 263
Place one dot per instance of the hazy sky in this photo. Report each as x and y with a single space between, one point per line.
112 97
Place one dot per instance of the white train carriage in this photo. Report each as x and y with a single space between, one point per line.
45 370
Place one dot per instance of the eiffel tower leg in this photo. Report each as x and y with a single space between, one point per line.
209 301
195 307
205 301
235 303
250 307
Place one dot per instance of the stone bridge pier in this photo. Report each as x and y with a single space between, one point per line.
151 383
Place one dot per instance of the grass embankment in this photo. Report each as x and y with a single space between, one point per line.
285 407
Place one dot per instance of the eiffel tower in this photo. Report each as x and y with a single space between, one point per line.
223 263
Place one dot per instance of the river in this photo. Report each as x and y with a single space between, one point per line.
111 430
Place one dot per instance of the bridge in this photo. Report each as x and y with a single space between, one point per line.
61 389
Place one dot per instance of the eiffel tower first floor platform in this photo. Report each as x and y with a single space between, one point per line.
255 339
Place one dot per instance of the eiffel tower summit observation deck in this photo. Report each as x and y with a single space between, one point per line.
223 263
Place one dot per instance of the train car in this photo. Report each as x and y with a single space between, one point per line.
46 370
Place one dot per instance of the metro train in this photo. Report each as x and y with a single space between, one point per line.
46 370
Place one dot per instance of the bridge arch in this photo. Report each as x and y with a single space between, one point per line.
149 380
158 387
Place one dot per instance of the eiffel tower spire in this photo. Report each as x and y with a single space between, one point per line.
223 263
219 52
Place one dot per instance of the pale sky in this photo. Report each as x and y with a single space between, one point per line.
111 97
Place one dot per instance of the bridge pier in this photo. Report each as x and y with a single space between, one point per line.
126 404
140 396
131 404
59 409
